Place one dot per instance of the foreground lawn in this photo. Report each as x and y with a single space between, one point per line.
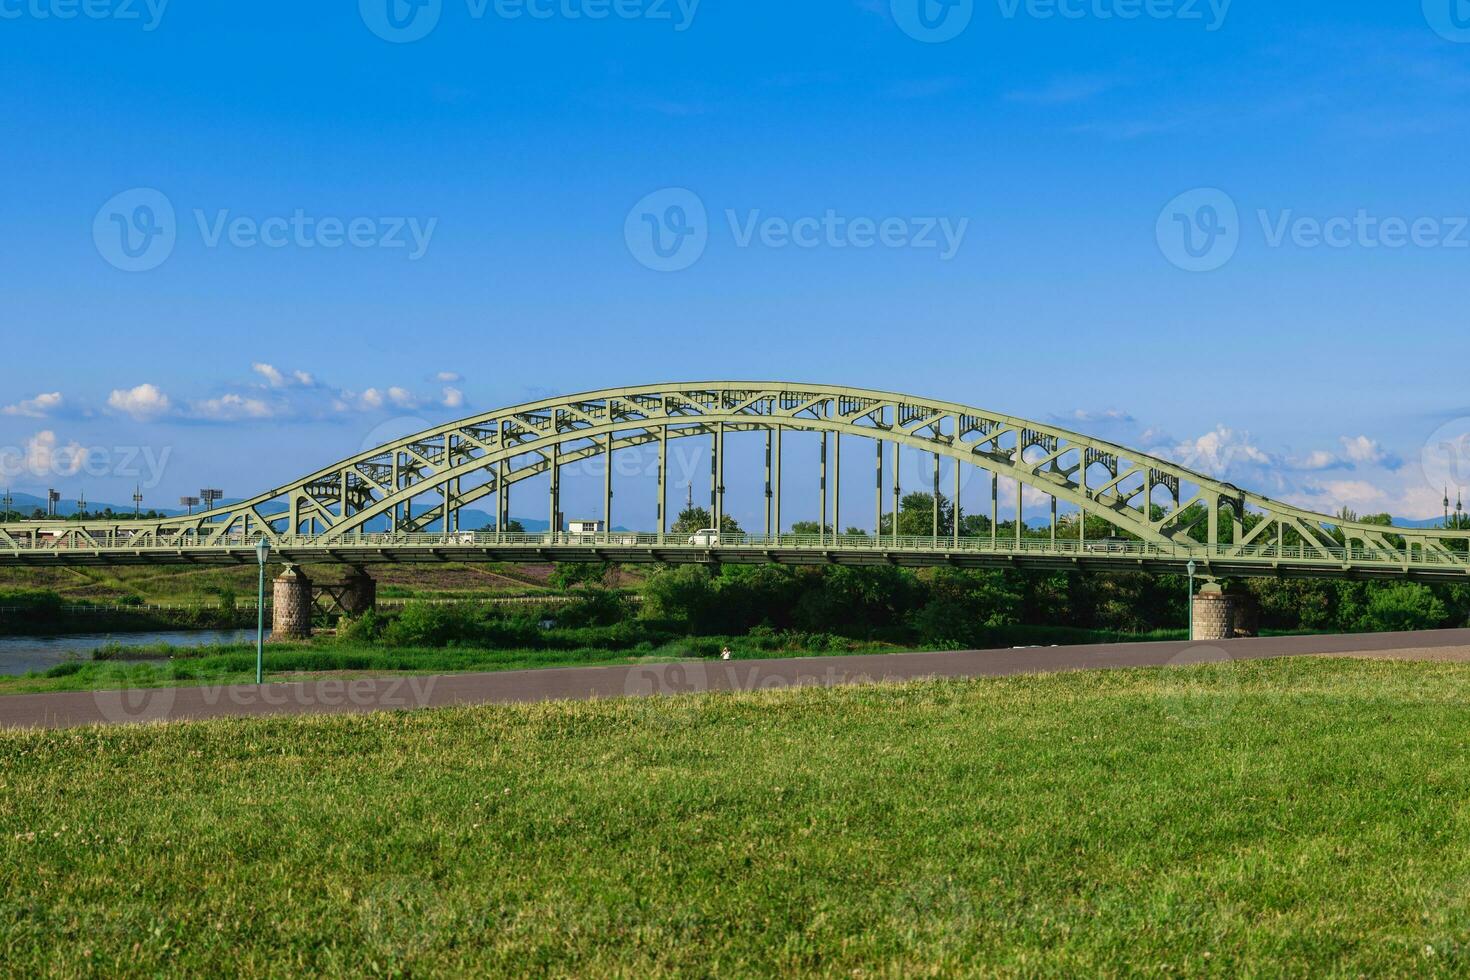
1305 817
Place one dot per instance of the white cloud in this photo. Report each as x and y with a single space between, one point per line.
277 379
272 377
1317 459
1409 501
230 408
402 397
1217 452
453 398
1103 415
45 456
1367 452
143 403
39 407
1357 451
448 377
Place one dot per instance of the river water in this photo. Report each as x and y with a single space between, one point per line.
23 654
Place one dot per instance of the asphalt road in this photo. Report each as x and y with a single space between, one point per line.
336 695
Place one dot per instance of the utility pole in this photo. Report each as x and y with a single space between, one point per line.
137 501
9 501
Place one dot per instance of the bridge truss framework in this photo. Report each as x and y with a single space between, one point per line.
402 501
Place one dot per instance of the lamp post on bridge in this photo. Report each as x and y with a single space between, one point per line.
1190 569
262 551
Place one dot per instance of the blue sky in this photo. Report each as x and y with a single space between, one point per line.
1033 177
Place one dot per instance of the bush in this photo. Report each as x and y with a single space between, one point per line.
367 628
598 607
1403 606
420 624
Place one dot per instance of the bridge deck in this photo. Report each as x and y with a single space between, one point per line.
366 548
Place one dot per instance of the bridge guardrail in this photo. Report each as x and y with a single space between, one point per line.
610 540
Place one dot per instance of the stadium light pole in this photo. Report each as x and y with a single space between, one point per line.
262 551
1190 568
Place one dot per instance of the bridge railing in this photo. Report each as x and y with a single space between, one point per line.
612 541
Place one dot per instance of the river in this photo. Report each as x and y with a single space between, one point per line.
23 654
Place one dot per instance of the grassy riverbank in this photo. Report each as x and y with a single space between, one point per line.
1300 817
124 666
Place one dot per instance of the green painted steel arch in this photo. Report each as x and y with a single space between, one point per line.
508 446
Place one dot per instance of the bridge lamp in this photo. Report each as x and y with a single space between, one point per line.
1190 569
262 552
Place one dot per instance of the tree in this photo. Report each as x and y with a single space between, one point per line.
693 519
593 575
810 527
916 516
511 527
1403 606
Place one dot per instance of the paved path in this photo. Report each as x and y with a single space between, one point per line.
334 695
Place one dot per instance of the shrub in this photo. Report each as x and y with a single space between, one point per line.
1403 606
421 624
367 628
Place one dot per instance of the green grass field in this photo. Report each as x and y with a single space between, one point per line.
1303 817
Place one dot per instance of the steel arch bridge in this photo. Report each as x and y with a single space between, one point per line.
400 502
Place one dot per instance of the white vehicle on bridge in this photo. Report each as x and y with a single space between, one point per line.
708 538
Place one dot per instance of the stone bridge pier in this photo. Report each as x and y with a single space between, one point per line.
292 606
295 600
358 593
1214 613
